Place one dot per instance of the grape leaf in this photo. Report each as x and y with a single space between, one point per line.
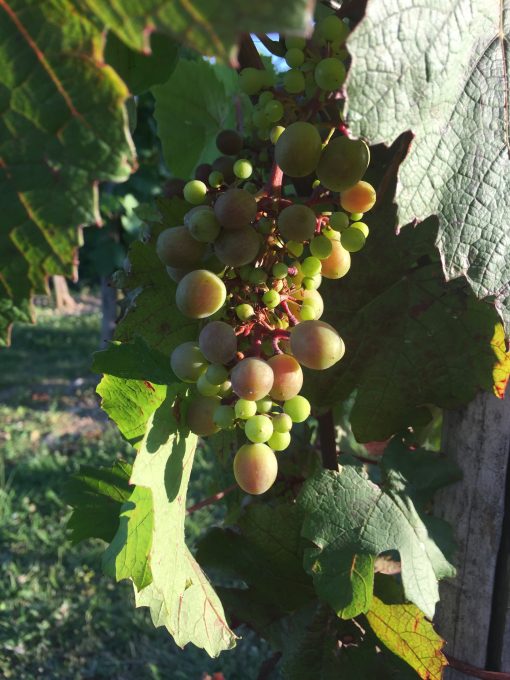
449 84
135 361
127 556
211 27
96 496
398 317
349 519
189 118
180 596
64 128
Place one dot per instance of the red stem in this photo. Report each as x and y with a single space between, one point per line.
476 672
287 311
211 499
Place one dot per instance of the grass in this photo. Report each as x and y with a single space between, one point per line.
60 618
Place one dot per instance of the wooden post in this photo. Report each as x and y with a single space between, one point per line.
473 615
109 311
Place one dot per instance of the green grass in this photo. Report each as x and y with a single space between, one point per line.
60 618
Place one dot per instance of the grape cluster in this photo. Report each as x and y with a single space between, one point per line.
251 255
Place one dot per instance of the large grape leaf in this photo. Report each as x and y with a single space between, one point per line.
63 129
411 338
349 519
440 69
212 27
179 596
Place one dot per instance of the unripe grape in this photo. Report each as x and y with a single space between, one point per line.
218 342
200 415
177 274
316 344
333 29
282 423
356 216
206 388
244 311
298 408
298 149
216 179
224 416
353 239
252 379
293 81
274 111
225 165
257 276
187 362
216 374
203 225
338 263
229 142
329 74
339 221
265 97
271 299
297 223
243 169
295 42
195 191
225 389
235 208
288 377
264 405
258 429
359 198
203 171
294 57
176 247
311 266
295 249
362 227
321 247
343 163
279 441
238 247
307 313
313 298
312 282
275 133
255 468
280 270
245 409
251 80
200 294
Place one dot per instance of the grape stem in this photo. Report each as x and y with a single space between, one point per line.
285 306
274 183
211 499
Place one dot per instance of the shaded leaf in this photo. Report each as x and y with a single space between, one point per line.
134 361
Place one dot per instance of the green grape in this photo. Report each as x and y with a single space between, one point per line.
358 198
280 270
321 247
265 97
343 163
275 133
311 266
200 294
255 468
235 208
245 409
244 311
203 171
216 374
288 377
333 29
316 344
224 416
298 149
297 223
294 42
279 441
235 248
225 165
312 298
339 221
206 388
298 408
353 239
245 271
204 226
268 79
293 81
229 142
225 389
258 429
356 216
264 405
295 249
258 276
362 227
176 247
271 299
195 191
282 423
294 57
265 225
274 111
251 187
243 169
307 313
329 74
216 179
312 282
200 415
251 80
187 362
338 263
331 234
252 379
218 342
259 118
